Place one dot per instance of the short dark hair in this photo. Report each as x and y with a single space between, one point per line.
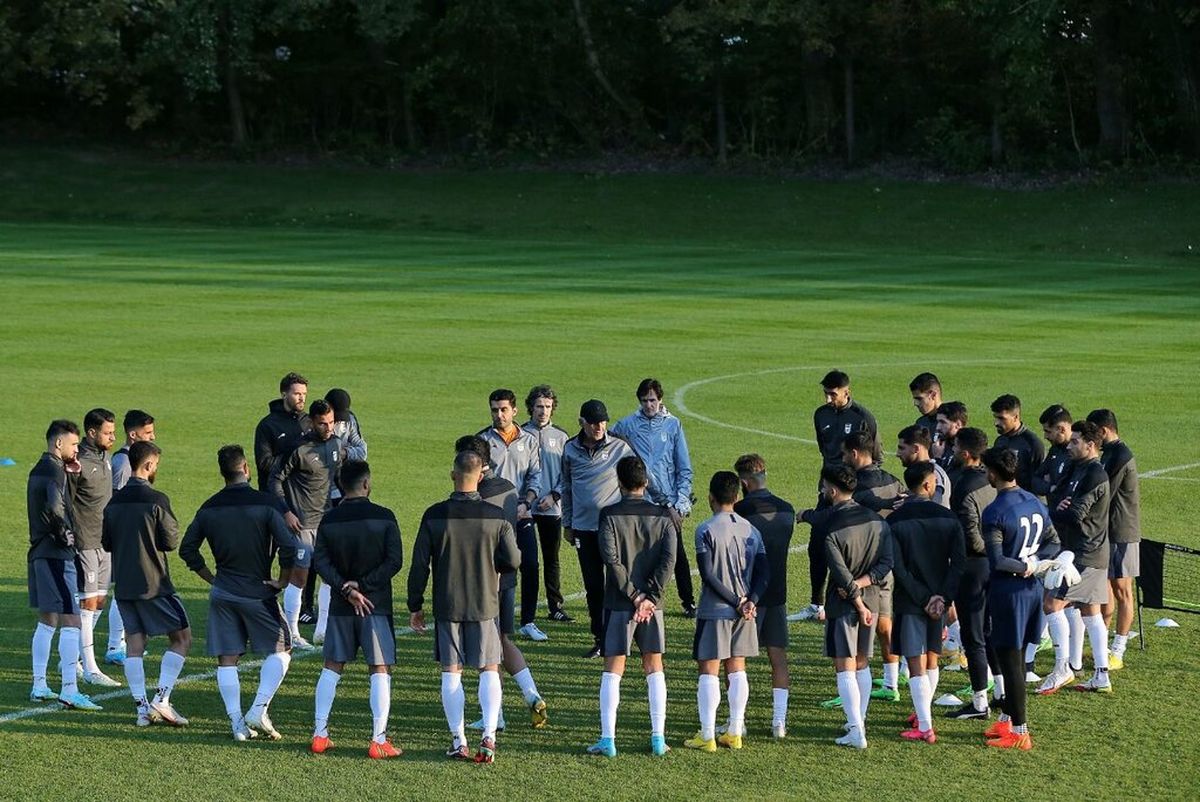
631 472
540 391
843 477
724 487
916 474
1104 418
751 466
973 441
1088 431
60 427
859 441
136 419
503 394
1002 462
835 379
467 461
320 408
955 411
923 383
230 460
141 451
95 418
354 473
476 445
1055 413
915 436
1007 403
290 379
646 385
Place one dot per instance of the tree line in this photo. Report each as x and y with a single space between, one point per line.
968 83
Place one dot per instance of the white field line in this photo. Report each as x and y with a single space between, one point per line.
1161 472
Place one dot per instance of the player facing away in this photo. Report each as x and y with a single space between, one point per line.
244 530
139 530
733 576
775 520
928 556
467 542
138 425
541 403
858 549
1018 533
51 567
358 552
637 543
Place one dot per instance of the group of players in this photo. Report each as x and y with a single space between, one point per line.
965 539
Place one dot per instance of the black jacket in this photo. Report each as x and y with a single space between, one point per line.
276 436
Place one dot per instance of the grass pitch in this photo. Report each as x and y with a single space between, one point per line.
188 290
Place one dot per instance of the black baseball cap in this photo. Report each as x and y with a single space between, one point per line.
593 411
339 399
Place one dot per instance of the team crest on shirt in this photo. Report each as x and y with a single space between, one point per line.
300 554
520 446
664 437
849 427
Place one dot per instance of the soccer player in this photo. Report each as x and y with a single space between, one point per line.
733 576
858 549
91 488
951 419
637 543
1124 532
926 392
51 567
928 561
1006 412
1017 531
775 520
541 403
970 497
138 426
1082 521
358 552
589 484
139 530
469 543
1048 478
244 529
280 432
517 458
912 446
657 436
304 479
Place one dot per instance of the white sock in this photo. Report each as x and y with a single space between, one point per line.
322 610
230 686
381 705
904 673
955 634
43 636
610 698
326 691
87 651
490 697
135 677
528 687
932 675
291 609
1075 622
779 706
656 689
708 698
454 702
116 627
1030 652
922 701
1098 638
979 700
1118 645
847 684
863 675
1060 636
168 672
738 695
998 687
891 675
68 653
274 669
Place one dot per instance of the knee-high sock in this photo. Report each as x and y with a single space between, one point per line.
863 676
738 695
68 653
1098 638
932 675
230 686
891 675
326 691
1075 622
524 679
274 669
489 701
87 650
922 701
43 636
708 697
168 673
116 627
610 699
847 684
323 596
291 608
454 701
656 689
1060 636
135 677
381 705
779 706
1014 701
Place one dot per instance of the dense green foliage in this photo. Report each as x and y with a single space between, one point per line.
963 83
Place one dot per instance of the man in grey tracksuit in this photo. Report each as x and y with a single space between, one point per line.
547 509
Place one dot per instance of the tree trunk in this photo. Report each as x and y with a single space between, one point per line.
722 134
1110 96
593 60
997 129
1183 76
237 113
818 96
848 78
